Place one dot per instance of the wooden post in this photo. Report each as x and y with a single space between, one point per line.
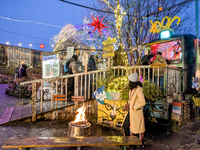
41 97
89 86
93 83
57 93
34 102
158 77
85 69
143 73
153 76
76 91
51 95
62 86
81 85
108 63
65 91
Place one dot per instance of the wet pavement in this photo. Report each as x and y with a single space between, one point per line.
6 100
186 138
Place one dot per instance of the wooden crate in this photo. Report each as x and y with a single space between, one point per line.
180 112
176 117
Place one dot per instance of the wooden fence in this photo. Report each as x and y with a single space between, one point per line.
86 84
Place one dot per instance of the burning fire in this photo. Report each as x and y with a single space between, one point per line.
81 115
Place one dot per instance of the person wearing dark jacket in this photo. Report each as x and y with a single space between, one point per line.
91 67
22 71
91 64
72 70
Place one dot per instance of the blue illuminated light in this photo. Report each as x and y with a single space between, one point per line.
165 34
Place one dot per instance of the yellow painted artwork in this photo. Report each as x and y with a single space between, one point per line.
111 112
196 101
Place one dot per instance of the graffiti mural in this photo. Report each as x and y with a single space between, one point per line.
110 107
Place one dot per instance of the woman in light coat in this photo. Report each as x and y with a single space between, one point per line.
135 117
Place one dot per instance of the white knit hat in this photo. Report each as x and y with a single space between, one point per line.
133 77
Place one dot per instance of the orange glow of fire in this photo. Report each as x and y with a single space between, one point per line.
81 114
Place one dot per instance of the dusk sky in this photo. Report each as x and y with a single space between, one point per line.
52 12
16 17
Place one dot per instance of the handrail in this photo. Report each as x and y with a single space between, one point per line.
91 72
61 77
175 68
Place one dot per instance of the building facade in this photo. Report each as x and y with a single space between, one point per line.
14 56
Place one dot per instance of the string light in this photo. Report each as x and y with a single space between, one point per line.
28 21
30 45
7 43
20 44
118 84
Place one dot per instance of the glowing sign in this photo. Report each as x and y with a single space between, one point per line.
165 34
157 26
108 54
108 48
109 41
50 68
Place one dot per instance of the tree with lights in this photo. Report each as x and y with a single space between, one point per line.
131 20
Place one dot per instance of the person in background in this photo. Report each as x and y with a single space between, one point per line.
91 63
72 65
22 71
72 70
91 67
118 58
16 73
159 59
134 117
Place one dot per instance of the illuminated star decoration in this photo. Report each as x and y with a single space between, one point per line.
97 24
154 27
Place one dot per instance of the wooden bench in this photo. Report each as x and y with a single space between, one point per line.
78 98
60 98
29 142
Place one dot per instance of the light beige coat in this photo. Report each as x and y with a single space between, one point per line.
136 115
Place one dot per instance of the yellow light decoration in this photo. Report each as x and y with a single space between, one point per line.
157 27
160 9
119 84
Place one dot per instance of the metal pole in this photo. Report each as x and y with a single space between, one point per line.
197 17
